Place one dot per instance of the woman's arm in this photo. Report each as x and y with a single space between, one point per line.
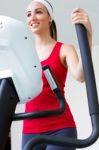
69 55
79 15
70 59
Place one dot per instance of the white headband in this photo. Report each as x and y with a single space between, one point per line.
47 5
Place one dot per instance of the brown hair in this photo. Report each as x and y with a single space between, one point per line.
53 30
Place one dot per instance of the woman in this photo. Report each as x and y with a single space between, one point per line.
60 57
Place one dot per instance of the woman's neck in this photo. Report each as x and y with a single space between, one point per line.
43 40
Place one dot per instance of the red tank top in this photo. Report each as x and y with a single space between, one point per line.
46 100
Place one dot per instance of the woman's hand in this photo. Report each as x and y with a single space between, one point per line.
79 15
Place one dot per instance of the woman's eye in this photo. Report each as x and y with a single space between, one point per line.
28 15
38 12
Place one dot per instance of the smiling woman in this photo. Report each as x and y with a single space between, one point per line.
60 57
75 92
37 14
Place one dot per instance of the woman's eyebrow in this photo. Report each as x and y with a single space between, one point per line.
35 10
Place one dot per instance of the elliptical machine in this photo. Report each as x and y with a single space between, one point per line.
20 71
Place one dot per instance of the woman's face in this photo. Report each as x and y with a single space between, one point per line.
38 18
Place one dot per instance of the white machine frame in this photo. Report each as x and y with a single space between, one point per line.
18 58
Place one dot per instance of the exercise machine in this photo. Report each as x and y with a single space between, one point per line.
20 71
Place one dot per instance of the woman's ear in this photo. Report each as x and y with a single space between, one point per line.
50 20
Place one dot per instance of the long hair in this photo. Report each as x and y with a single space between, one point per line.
53 30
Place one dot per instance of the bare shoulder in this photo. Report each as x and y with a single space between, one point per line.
65 52
66 49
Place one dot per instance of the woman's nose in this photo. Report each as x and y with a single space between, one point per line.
33 16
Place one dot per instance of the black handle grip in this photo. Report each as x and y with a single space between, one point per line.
88 69
46 113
